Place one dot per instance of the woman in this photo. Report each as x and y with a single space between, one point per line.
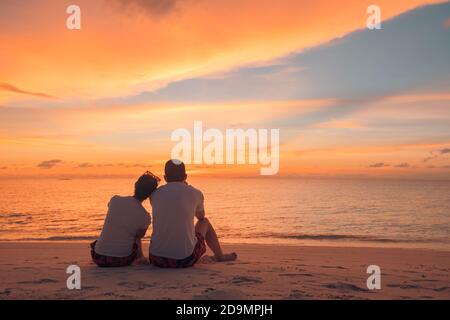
125 225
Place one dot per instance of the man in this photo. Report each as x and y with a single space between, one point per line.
176 242
126 223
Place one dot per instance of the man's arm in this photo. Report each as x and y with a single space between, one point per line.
200 209
200 214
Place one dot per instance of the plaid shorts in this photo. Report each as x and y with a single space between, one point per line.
199 251
106 261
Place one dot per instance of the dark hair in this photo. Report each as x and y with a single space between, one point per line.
175 170
145 185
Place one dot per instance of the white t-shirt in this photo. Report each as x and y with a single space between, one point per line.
125 217
173 207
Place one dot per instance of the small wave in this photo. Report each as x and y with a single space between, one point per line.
15 215
15 218
60 238
345 237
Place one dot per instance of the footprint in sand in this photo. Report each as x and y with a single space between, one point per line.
295 275
245 280
333 267
90 287
7 292
211 294
135 286
212 260
411 271
23 268
298 295
425 280
345 287
442 289
404 286
40 281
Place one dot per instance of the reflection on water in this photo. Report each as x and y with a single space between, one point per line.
357 212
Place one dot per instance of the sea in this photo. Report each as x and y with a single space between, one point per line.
287 211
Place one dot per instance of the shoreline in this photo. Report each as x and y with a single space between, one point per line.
37 270
293 243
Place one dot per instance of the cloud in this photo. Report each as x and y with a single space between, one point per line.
214 36
10 88
433 156
154 7
123 165
363 65
402 165
360 69
49 164
135 165
85 165
379 165
340 124
140 165
102 165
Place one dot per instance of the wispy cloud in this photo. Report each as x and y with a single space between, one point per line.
402 165
11 88
434 155
340 124
140 165
379 165
121 165
85 165
154 7
426 159
49 164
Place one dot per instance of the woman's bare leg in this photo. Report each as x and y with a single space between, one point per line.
206 229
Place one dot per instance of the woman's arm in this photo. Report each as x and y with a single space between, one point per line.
139 235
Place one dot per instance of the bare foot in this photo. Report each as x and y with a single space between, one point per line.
227 257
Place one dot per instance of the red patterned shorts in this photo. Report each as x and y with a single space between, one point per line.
199 251
106 261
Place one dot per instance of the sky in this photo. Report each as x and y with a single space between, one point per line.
104 100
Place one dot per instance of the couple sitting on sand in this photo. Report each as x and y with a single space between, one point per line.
176 242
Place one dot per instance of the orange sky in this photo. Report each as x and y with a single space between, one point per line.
120 51
54 84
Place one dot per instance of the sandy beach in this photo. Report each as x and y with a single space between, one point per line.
38 271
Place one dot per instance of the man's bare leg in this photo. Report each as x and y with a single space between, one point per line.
206 229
